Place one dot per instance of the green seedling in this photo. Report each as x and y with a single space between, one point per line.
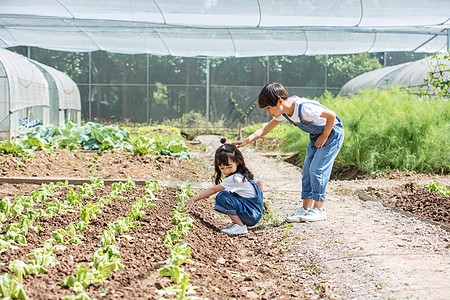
107 238
435 186
20 269
10 288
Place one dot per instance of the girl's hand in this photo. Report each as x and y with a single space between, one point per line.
188 205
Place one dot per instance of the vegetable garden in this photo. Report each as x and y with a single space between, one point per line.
131 239
123 240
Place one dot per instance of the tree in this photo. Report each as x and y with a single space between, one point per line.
342 68
438 81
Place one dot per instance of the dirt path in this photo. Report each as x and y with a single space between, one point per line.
363 250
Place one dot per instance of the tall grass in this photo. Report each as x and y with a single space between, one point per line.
388 129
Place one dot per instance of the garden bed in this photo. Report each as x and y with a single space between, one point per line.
222 267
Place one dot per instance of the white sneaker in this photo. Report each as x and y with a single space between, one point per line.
227 227
234 229
296 216
314 215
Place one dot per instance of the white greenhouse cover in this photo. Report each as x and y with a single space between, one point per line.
27 85
68 93
225 28
410 74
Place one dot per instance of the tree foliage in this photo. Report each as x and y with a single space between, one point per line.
342 68
176 85
438 81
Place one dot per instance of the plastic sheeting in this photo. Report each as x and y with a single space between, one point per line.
24 94
32 93
411 74
26 84
68 93
64 96
227 28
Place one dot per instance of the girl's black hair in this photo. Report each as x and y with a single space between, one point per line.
270 94
223 155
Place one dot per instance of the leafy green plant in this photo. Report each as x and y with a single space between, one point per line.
122 224
436 186
20 269
108 237
89 211
104 261
177 257
43 257
10 288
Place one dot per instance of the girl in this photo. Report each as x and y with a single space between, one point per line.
326 136
239 194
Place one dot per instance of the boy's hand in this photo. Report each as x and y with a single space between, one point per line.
321 140
188 205
239 144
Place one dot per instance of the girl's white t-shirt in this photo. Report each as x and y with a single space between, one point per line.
310 112
236 183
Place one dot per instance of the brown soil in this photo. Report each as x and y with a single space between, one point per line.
222 266
364 250
416 199
110 165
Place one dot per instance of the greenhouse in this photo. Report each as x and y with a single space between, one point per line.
34 94
227 28
65 103
411 74
24 95
198 33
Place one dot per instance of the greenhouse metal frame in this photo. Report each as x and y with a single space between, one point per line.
214 28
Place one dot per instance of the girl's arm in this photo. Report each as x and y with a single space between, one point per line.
203 194
260 185
258 133
330 116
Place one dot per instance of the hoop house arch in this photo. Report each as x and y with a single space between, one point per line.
410 74
65 101
24 97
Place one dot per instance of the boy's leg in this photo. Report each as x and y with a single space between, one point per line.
307 189
320 170
308 203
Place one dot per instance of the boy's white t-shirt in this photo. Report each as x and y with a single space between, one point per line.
235 183
310 112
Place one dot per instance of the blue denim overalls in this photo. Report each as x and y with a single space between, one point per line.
318 161
249 210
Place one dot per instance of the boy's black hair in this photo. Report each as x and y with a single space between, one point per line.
270 94
223 155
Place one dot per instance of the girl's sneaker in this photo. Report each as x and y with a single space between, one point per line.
297 215
234 229
314 215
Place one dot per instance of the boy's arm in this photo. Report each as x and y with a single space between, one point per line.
203 194
258 133
330 116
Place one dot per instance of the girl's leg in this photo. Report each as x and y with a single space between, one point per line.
236 219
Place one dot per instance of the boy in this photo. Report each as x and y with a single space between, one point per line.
326 137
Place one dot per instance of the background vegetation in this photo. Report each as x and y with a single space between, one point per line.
122 91
387 129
